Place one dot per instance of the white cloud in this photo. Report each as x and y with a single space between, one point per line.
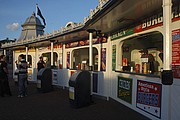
13 26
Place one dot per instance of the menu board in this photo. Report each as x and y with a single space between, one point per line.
149 97
176 53
124 91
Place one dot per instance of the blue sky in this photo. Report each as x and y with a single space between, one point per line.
57 13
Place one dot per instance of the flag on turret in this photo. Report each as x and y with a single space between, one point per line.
40 14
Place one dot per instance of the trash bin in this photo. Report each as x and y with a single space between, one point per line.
44 80
80 89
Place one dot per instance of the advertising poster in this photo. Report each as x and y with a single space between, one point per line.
149 97
176 53
68 60
125 89
113 57
103 59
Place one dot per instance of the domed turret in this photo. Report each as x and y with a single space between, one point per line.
31 28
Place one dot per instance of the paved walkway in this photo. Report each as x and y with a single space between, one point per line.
55 106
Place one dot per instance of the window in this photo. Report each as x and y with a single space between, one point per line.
47 59
80 59
143 54
29 61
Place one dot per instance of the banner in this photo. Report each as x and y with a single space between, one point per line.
148 97
103 59
68 60
176 53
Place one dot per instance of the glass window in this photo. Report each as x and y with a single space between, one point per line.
47 59
143 54
29 61
80 59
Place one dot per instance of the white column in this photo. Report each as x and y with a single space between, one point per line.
167 45
52 50
27 53
5 52
167 58
90 50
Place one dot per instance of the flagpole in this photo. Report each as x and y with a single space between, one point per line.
36 9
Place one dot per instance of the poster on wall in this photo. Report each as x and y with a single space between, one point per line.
148 97
103 59
113 57
68 60
125 89
176 53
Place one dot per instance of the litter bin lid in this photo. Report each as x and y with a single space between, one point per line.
74 75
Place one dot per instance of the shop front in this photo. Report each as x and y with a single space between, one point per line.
77 58
126 60
137 63
144 55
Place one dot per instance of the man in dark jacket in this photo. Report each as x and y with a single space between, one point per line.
4 83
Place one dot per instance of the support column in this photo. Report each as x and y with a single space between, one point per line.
27 53
4 52
167 75
91 48
167 4
52 50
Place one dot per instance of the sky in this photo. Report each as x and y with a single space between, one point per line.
13 13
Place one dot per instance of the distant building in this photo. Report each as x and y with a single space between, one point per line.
8 51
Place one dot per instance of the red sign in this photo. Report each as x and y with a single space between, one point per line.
176 53
149 97
85 42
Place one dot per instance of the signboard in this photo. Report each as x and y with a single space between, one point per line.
113 57
176 53
148 97
148 23
103 59
85 42
125 89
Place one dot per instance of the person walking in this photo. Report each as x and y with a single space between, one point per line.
5 89
22 76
